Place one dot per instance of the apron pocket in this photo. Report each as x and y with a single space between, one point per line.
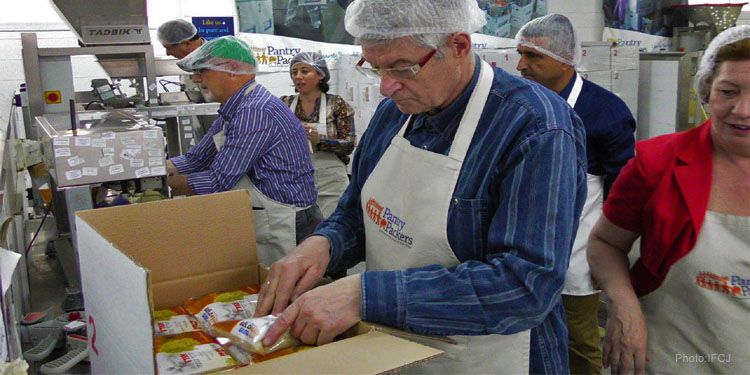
262 225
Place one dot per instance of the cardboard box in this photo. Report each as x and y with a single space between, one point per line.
108 156
140 257
642 7
625 58
625 82
572 7
595 56
541 8
601 78
506 59
521 14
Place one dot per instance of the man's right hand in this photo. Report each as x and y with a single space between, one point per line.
293 275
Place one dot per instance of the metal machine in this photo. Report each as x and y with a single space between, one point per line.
121 146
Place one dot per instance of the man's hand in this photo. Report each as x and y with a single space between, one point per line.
171 169
293 275
626 338
179 185
318 316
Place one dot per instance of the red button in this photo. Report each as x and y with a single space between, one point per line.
52 97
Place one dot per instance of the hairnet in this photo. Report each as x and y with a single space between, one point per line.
176 32
226 54
313 59
552 35
707 69
393 19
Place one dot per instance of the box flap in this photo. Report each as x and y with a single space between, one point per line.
117 306
370 353
171 238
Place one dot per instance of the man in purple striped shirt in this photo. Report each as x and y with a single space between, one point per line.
256 143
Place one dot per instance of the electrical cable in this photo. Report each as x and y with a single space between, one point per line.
31 243
86 107
164 82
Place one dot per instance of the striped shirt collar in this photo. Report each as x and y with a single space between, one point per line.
234 101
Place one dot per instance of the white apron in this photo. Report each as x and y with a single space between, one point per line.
698 317
405 230
275 222
578 280
330 172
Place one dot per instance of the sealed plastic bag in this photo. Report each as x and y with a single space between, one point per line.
249 333
220 307
190 353
173 321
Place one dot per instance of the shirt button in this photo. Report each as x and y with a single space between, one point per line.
424 147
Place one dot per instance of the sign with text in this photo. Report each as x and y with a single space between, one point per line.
214 27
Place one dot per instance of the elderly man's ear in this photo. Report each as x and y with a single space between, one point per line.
459 44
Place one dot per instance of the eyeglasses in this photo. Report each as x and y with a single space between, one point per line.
407 72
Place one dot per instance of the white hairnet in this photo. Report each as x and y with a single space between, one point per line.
176 32
315 60
227 54
707 69
552 35
393 19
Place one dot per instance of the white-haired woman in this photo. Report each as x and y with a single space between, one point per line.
683 306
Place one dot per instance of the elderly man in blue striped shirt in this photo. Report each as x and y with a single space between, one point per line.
464 202
256 143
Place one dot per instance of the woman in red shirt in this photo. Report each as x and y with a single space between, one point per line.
681 306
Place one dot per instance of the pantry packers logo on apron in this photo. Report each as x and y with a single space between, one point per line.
389 223
735 286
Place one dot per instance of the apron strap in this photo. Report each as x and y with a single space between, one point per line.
322 112
473 112
573 97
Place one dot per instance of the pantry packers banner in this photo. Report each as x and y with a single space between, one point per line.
273 53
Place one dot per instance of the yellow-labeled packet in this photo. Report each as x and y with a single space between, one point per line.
223 306
190 353
173 321
249 333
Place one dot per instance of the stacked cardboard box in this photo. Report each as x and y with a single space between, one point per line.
506 59
595 63
625 72
521 12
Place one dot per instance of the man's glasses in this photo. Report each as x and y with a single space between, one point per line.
407 72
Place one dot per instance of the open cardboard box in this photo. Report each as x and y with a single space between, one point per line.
152 255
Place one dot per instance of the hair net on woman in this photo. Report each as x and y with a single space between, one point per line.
393 19
313 59
707 69
176 32
552 35
226 54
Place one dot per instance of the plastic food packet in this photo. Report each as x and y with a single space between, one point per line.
249 333
223 306
245 357
190 353
173 321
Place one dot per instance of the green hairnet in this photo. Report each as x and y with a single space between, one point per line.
227 54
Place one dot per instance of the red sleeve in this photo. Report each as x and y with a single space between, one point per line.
627 199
